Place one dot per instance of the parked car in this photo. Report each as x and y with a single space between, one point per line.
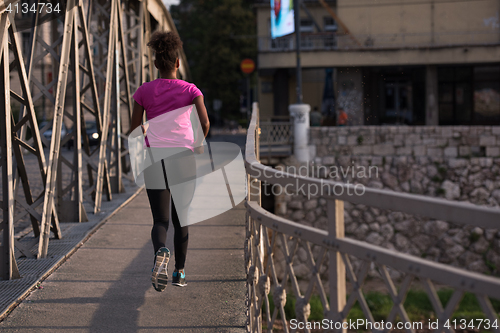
48 133
91 129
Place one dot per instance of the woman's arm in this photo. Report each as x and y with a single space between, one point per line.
202 114
137 115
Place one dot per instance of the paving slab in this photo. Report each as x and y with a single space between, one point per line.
105 286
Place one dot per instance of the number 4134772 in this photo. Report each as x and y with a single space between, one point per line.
25 8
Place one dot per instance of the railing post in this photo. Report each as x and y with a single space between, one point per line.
336 268
254 194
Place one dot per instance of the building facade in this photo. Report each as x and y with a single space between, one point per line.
431 62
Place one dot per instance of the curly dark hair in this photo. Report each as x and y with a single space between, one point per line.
166 46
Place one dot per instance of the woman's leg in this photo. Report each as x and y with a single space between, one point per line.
181 236
159 201
181 170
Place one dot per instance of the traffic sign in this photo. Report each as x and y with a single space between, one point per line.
247 66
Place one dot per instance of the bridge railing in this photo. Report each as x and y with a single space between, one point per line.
276 138
267 234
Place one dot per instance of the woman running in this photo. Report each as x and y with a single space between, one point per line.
170 134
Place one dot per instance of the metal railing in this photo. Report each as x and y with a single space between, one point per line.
276 138
265 232
309 42
326 41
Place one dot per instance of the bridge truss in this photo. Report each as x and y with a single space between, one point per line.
79 69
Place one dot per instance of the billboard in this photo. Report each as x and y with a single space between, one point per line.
282 19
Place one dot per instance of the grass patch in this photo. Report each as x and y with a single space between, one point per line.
437 179
442 171
440 191
417 306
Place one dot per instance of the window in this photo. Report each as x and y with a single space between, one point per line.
487 94
306 25
329 24
455 95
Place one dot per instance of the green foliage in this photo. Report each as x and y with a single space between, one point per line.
474 237
360 139
437 179
417 305
442 171
440 191
217 35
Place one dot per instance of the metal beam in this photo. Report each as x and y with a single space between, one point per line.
339 21
94 92
8 266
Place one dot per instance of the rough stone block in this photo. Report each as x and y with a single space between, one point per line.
342 140
419 150
413 139
435 152
452 190
446 132
464 151
403 151
352 140
295 205
495 130
297 215
398 140
311 204
451 152
376 160
485 162
383 149
457 163
362 150
487 140
328 160
492 151
429 141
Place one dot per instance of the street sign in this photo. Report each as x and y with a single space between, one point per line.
247 66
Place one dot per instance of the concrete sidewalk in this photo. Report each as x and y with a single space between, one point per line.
106 285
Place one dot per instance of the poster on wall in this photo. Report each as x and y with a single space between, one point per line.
282 19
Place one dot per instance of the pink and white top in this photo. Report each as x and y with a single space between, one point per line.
168 104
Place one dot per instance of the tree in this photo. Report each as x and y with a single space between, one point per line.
217 35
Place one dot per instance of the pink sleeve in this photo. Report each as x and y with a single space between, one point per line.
195 92
138 96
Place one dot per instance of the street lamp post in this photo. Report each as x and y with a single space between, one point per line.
296 12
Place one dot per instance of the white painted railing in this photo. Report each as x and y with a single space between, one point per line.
266 231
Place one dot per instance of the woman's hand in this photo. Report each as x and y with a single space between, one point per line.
137 115
199 150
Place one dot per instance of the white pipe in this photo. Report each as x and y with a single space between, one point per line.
300 115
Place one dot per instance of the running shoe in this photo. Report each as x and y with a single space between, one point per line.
179 279
160 275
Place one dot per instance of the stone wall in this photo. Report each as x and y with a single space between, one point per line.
457 163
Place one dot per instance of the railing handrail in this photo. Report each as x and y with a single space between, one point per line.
441 209
441 273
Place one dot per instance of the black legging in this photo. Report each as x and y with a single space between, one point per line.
161 201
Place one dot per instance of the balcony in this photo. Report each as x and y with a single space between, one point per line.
337 41
309 42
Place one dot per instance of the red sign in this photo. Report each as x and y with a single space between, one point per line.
247 66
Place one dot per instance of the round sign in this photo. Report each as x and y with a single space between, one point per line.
247 66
